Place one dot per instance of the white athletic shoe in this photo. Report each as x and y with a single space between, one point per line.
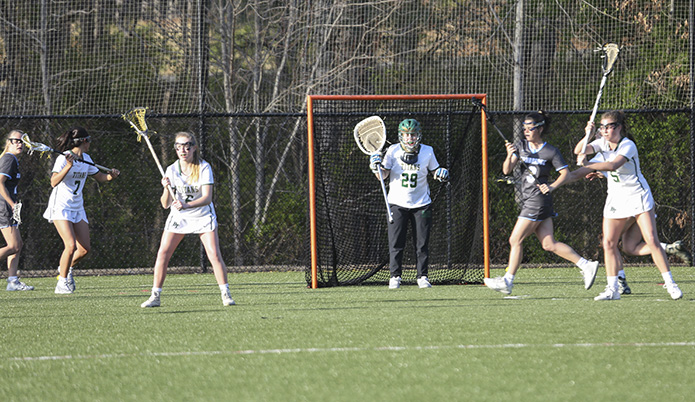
63 287
395 282
153 301
499 284
71 279
608 294
589 274
673 290
17 285
227 299
423 282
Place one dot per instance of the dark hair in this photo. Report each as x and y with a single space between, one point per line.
540 119
71 138
619 117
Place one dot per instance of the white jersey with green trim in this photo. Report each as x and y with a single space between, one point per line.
188 191
67 195
628 179
408 187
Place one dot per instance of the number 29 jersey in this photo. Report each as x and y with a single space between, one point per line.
408 187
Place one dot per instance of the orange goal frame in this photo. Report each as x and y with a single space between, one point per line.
311 167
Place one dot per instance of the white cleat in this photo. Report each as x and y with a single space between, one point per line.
673 290
608 294
63 287
499 284
589 274
153 301
423 282
395 282
17 285
227 299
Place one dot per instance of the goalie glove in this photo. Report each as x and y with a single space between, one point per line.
375 162
441 174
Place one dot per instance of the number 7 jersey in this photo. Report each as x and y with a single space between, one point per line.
67 195
408 187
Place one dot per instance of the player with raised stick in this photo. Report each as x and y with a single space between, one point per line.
66 204
191 211
406 165
537 213
10 208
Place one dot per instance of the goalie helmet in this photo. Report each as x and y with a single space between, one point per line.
410 126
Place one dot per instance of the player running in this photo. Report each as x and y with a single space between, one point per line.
629 196
407 165
191 178
66 204
9 179
536 216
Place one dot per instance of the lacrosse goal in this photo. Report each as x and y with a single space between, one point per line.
348 225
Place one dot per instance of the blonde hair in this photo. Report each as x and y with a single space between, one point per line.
7 139
195 170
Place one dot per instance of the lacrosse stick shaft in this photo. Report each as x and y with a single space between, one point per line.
159 165
386 198
595 111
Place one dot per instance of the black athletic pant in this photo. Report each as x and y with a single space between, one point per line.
420 220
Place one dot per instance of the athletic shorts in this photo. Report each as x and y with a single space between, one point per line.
65 215
622 206
187 225
6 219
537 209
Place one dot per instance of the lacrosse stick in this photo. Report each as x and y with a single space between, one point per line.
488 117
370 136
39 147
17 212
136 118
610 56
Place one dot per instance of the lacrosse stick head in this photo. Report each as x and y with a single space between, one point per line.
136 118
609 54
34 146
370 135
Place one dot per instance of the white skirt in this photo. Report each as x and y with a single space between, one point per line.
65 215
628 206
186 225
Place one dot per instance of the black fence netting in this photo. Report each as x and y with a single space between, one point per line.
259 166
350 208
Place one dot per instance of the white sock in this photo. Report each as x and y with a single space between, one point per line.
156 290
582 261
509 277
668 278
621 274
612 282
224 288
12 278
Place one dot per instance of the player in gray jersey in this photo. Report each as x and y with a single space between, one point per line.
406 165
536 216
9 179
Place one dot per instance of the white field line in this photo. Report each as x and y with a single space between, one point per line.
348 350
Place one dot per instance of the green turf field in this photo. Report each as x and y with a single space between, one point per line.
284 342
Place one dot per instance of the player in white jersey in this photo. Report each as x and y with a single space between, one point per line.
537 213
66 205
9 179
407 165
191 211
629 196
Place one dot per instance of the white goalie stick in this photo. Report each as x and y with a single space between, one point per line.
39 147
370 136
609 54
136 118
